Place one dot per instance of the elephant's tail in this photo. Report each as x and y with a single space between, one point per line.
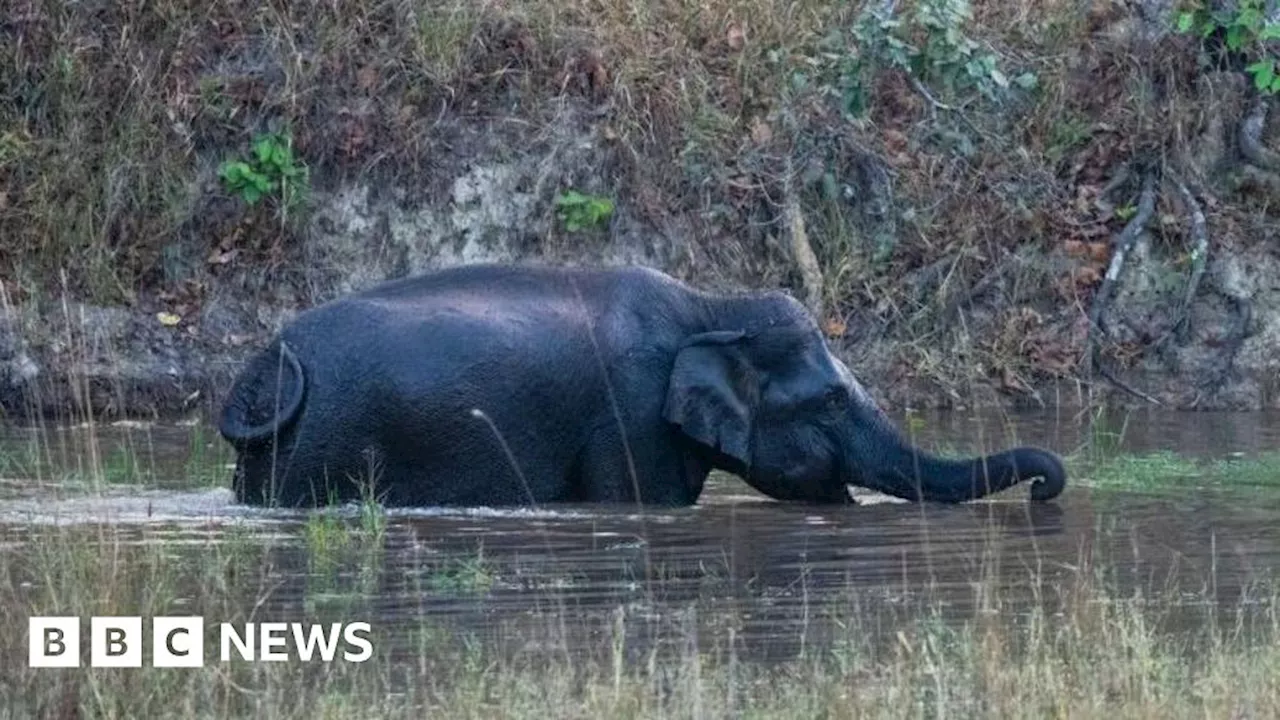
265 399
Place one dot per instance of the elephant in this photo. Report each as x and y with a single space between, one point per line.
520 384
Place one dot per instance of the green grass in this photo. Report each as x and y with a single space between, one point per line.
463 576
90 458
1165 469
209 458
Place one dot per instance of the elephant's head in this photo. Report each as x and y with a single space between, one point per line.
776 407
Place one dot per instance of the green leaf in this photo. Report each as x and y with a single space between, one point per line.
1270 31
233 170
569 197
262 149
1275 85
1250 18
1185 21
1027 81
251 194
1263 73
1234 37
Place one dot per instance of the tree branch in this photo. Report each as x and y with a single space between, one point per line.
1123 244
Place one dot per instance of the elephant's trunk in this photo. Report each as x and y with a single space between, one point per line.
892 466
920 476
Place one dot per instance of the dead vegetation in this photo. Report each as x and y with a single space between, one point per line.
988 231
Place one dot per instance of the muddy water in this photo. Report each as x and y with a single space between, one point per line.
779 576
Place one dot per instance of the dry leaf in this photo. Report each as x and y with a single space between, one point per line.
835 327
1010 381
168 319
894 140
761 133
366 77
1099 251
736 37
222 258
593 65
1087 275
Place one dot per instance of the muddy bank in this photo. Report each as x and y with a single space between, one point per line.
164 356
1009 246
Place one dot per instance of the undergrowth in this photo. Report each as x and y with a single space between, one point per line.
962 169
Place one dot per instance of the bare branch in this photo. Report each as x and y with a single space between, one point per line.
1123 244
801 251
1199 259
1251 137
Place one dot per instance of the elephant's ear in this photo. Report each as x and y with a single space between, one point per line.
712 392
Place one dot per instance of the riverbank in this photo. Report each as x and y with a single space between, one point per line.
948 192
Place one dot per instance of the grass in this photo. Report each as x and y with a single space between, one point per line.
1165 469
94 457
1103 461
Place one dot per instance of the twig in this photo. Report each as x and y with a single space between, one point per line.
801 251
1199 259
985 283
1118 179
924 278
1251 137
935 106
1104 372
1123 244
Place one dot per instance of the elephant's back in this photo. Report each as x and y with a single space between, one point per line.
448 341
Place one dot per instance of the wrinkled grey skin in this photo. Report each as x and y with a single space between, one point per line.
500 385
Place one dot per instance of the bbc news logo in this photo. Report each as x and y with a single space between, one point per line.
179 642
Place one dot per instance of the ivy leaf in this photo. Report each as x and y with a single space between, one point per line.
1250 17
1234 37
233 172
1264 72
262 149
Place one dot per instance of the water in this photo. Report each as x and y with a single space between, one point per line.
780 576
